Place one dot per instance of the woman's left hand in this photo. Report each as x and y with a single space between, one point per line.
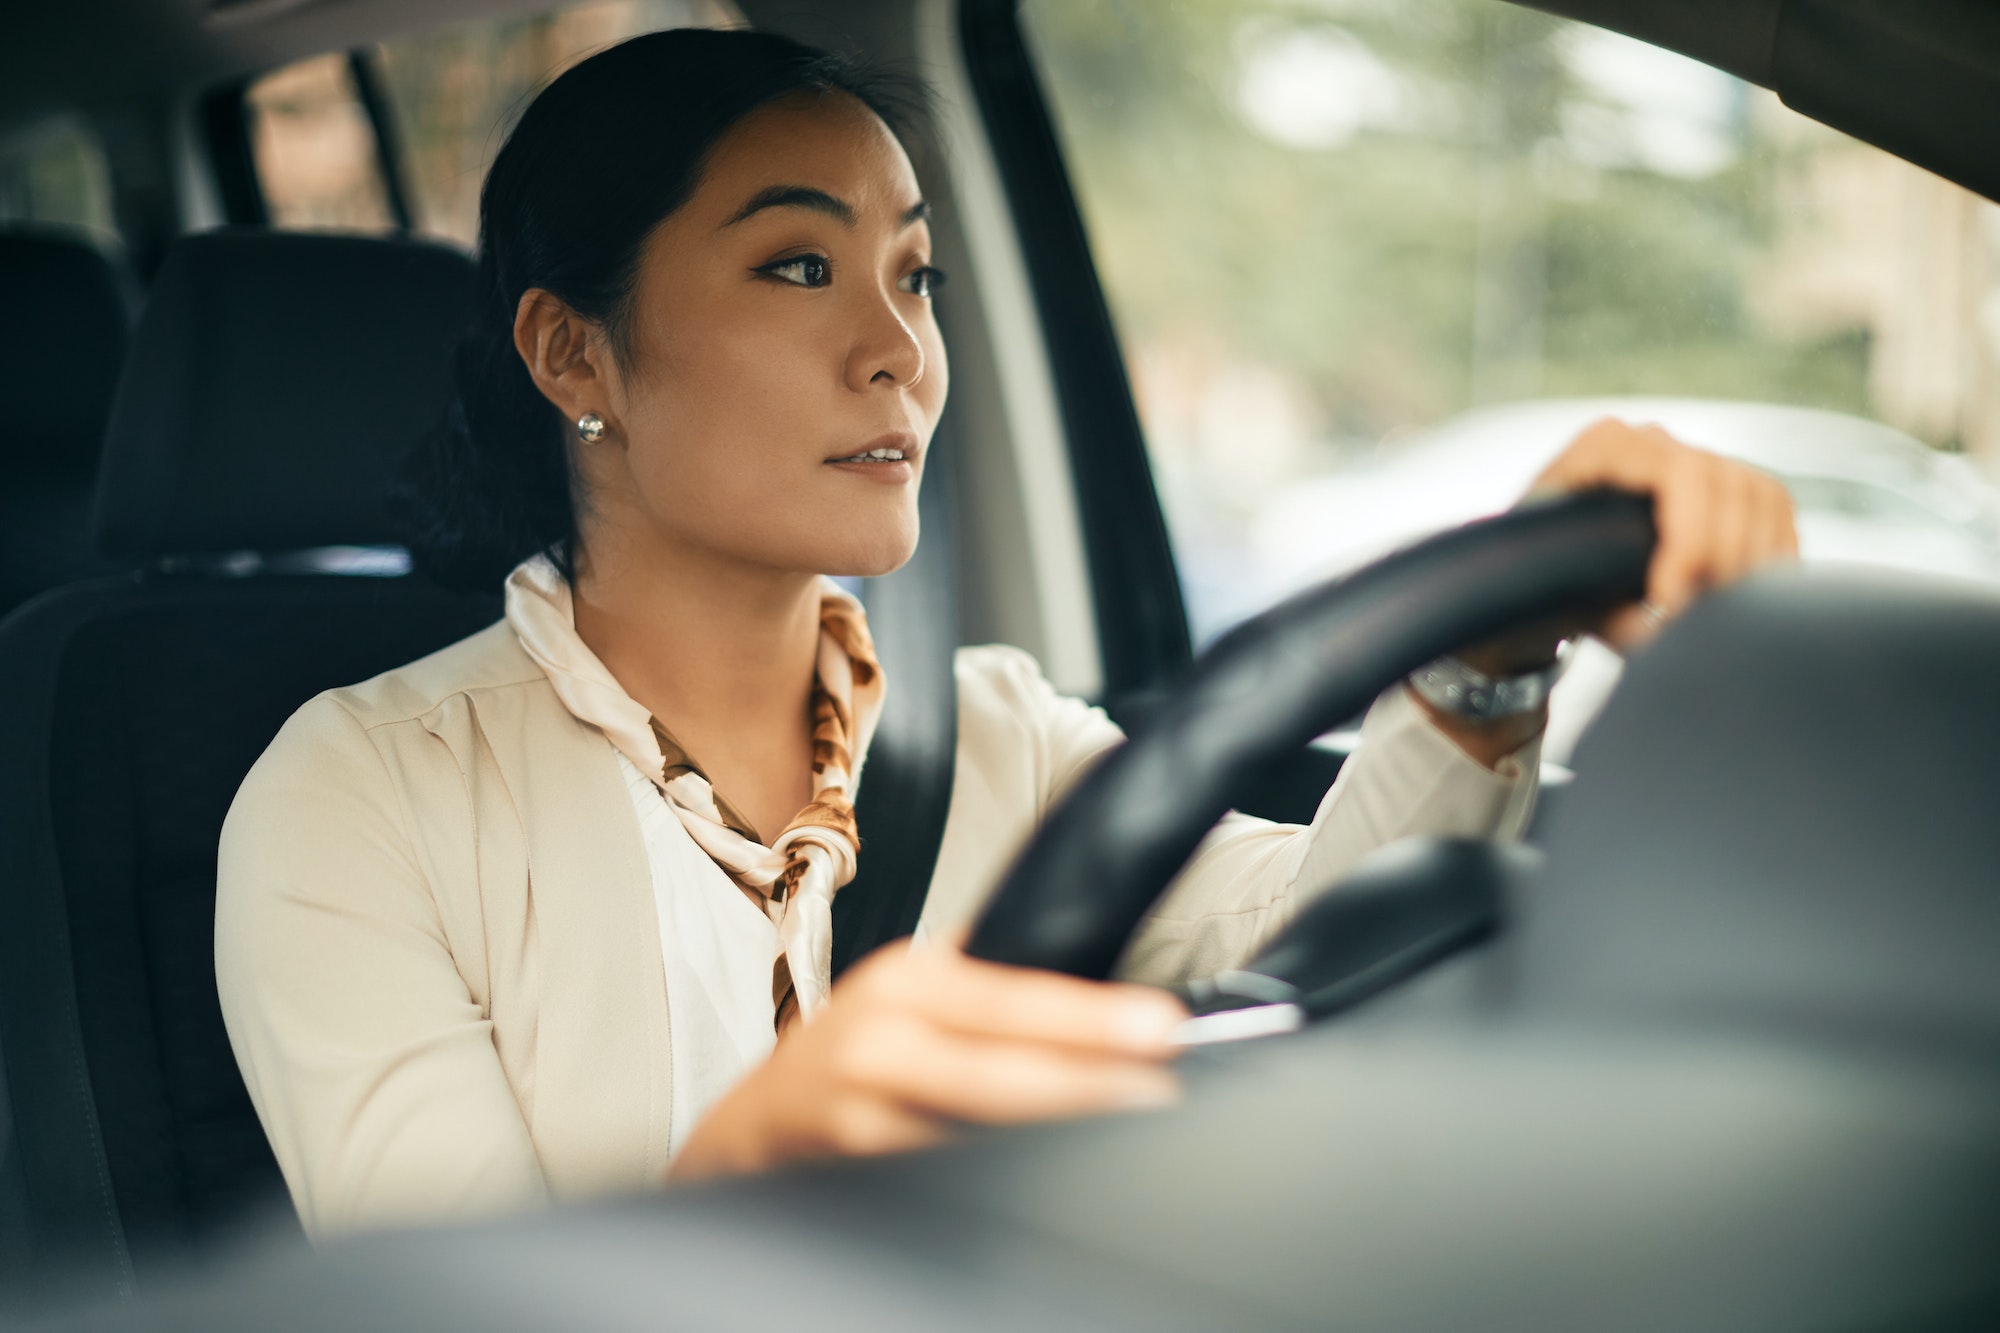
1717 519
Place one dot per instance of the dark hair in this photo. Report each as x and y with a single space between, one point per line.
602 156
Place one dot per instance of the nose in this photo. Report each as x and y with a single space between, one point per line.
887 350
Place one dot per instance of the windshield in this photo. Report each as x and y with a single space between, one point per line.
1372 264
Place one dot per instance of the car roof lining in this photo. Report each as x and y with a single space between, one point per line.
112 52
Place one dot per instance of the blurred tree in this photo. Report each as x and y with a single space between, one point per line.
1429 230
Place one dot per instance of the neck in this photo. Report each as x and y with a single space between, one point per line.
722 653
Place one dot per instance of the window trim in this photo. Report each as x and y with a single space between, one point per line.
232 158
1141 617
388 146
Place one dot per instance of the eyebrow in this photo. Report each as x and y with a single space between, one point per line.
817 201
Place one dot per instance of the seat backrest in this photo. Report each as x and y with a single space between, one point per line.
64 320
1829 736
274 383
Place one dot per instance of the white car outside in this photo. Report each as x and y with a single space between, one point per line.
1867 495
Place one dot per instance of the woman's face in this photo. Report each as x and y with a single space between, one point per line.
782 332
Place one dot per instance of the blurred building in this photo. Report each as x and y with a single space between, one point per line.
1865 241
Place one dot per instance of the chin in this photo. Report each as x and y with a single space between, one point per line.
868 555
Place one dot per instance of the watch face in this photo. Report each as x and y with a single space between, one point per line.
1462 691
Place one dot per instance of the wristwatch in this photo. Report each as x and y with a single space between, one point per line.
1464 692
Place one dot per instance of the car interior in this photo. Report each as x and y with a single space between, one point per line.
1719 1048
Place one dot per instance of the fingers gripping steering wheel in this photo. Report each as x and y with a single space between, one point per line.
1107 851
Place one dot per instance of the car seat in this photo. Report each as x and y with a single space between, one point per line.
274 382
64 320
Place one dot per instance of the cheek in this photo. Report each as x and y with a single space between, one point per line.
746 379
728 433
937 376
727 414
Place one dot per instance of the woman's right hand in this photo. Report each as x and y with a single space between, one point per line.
915 1040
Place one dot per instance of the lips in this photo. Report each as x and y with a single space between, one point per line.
896 447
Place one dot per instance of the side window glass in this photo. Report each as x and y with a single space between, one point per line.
314 148
1373 264
454 93
55 175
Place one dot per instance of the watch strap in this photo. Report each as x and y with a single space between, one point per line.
1467 692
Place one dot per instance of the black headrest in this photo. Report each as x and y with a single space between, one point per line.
274 384
63 325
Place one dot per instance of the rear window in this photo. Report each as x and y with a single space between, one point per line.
401 133
314 146
55 175
1373 263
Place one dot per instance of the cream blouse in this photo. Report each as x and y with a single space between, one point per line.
717 948
464 973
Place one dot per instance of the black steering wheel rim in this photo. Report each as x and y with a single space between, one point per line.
1109 849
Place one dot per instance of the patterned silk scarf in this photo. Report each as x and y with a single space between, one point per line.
795 877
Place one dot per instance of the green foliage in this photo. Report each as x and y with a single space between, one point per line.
1466 253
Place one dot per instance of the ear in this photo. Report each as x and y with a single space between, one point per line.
564 354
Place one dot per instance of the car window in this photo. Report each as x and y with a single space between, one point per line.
314 148
1373 263
447 98
455 92
54 175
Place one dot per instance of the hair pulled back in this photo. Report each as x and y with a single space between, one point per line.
598 160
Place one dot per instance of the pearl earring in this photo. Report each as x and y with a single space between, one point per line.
590 427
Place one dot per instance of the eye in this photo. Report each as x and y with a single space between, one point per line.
923 281
802 270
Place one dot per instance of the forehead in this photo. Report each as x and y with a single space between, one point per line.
825 141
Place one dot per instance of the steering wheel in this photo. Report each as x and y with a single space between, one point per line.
1109 849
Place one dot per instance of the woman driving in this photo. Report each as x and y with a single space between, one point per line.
547 914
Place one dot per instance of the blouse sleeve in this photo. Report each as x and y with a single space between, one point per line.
1250 876
370 1064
